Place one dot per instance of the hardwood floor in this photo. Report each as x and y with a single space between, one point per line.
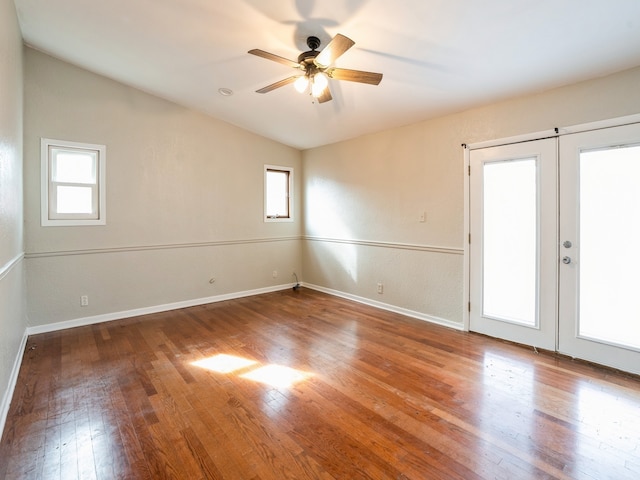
377 396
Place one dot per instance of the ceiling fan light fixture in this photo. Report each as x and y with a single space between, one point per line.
301 84
319 83
314 68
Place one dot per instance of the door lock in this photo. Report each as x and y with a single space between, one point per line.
566 260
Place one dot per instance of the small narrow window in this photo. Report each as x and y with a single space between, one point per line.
278 194
73 183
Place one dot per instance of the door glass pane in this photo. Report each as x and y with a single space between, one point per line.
510 241
609 263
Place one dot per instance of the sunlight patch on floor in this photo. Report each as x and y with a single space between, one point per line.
224 363
277 376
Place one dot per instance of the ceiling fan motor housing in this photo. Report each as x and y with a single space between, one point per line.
306 58
313 42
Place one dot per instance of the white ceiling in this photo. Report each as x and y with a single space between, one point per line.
437 56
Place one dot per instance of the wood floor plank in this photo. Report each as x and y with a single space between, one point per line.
385 397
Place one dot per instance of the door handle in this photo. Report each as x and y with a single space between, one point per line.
566 260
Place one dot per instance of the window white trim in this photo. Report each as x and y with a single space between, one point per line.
48 199
289 170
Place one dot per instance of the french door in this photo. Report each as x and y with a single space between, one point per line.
555 237
513 251
599 266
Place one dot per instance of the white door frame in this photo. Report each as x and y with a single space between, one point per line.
467 203
560 131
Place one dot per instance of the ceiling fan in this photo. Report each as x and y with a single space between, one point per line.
315 68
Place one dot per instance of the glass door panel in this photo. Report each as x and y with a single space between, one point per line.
600 231
509 239
513 251
609 209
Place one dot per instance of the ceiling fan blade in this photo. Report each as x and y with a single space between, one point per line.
278 84
326 95
275 58
336 47
354 75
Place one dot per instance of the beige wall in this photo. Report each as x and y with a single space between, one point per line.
12 292
184 201
364 197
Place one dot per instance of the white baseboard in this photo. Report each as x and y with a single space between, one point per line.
13 379
391 308
107 317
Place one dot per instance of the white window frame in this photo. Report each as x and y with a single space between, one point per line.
289 170
48 200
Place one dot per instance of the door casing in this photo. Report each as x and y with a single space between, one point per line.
556 132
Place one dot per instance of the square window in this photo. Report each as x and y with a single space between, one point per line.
73 183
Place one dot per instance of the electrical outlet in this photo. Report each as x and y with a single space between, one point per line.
275 274
423 217
380 288
84 301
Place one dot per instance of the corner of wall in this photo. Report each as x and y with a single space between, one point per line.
13 317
